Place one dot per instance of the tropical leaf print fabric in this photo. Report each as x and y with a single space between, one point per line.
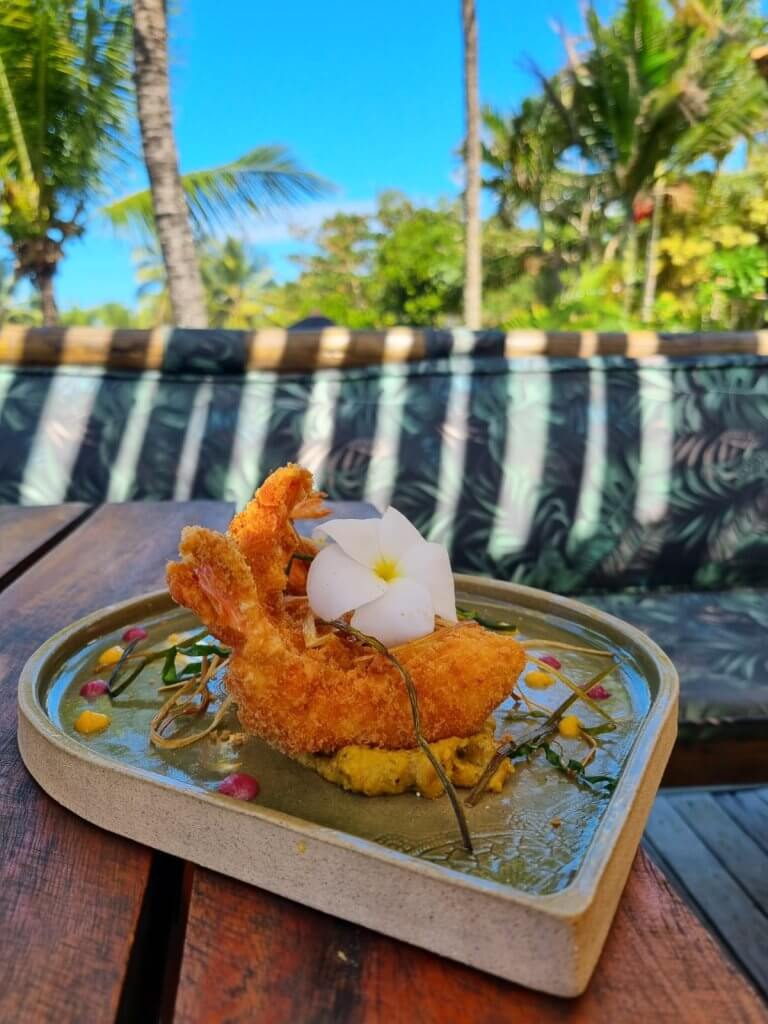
567 474
718 641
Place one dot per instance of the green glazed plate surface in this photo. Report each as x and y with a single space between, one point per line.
516 842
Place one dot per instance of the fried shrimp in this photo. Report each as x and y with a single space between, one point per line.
298 684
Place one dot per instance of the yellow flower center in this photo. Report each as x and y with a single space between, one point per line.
386 569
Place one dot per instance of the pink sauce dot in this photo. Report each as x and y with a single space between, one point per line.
134 633
598 693
552 661
240 786
94 688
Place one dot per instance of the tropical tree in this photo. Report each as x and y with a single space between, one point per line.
174 205
402 264
64 81
334 279
473 269
653 94
650 93
235 280
171 218
154 307
108 314
260 182
416 275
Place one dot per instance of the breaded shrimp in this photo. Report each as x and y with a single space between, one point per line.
316 699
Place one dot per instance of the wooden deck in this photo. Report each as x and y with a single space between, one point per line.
713 847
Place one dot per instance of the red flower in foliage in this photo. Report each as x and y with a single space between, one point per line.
642 208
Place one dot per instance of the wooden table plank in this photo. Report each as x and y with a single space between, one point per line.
749 809
733 846
70 894
25 530
722 899
250 957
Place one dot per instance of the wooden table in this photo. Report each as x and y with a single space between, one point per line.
96 928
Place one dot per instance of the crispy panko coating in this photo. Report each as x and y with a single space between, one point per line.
316 699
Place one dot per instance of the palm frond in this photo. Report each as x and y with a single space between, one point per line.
258 182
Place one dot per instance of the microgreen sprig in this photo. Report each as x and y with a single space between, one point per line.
191 647
536 738
574 770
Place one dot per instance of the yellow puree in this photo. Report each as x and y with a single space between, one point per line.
377 772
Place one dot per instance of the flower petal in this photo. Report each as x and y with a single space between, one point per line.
404 613
397 534
337 584
358 538
429 564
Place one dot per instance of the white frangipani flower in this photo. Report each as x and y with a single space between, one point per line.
384 571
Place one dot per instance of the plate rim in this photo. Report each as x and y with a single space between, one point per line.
567 903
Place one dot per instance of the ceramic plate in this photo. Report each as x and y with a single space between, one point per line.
532 904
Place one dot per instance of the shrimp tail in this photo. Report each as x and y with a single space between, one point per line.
265 533
213 580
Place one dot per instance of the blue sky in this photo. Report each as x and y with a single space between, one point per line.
367 95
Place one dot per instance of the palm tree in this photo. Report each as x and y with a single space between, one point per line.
654 93
234 280
233 277
152 292
472 227
64 78
150 35
259 182
176 206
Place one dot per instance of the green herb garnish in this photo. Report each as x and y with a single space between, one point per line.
469 615
536 739
171 674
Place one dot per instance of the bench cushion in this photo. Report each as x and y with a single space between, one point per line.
718 641
569 474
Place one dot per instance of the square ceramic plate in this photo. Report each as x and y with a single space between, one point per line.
533 903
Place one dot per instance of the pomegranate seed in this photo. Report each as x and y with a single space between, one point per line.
599 693
552 661
134 633
240 786
94 688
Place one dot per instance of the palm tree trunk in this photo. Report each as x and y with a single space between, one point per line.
629 263
473 268
48 305
150 40
651 267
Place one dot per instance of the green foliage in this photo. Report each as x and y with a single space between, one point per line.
64 79
257 182
653 93
335 280
400 265
235 280
109 314
418 269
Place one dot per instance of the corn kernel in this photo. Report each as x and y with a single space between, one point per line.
89 722
111 656
173 640
539 680
569 727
